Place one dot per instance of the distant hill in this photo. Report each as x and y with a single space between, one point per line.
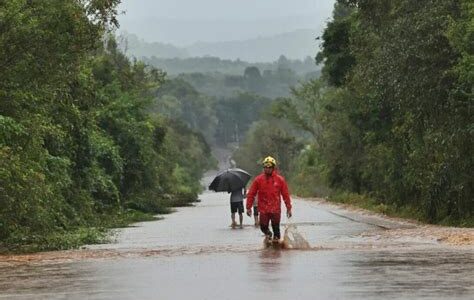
294 45
297 44
134 46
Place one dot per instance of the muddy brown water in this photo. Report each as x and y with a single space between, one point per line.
194 254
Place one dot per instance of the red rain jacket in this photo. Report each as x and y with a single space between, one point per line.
269 189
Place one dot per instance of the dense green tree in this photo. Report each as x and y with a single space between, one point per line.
253 79
336 53
252 73
78 145
399 127
268 137
304 108
179 100
235 115
43 45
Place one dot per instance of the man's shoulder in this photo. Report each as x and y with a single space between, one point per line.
280 177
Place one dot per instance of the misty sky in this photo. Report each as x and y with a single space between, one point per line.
183 22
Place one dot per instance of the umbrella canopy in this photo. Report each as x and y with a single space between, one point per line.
230 180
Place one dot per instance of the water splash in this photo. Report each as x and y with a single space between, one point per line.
292 239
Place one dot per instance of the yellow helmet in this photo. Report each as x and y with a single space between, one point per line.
269 162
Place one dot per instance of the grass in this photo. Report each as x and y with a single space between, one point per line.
392 210
372 204
466 222
74 238
60 240
99 232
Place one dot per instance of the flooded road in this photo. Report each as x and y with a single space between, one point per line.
194 254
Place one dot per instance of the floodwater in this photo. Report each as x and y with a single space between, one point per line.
194 254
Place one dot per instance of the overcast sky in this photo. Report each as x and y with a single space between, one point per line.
183 22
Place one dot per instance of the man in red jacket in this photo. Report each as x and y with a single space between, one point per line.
270 187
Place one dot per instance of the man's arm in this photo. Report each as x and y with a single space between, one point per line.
286 197
251 196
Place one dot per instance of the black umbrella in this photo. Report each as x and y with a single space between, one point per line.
230 180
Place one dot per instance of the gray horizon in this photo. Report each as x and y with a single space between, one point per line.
183 22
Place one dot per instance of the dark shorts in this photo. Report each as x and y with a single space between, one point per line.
255 210
237 206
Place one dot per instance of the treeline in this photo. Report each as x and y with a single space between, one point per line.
223 107
270 84
221 120
392 117
80 148
209 64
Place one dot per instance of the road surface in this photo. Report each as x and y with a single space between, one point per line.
194 254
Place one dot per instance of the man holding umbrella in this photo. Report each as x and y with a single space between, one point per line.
271 187
237 205
232 181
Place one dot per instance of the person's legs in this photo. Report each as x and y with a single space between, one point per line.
233 210
255 216
264 221
241 212
275 219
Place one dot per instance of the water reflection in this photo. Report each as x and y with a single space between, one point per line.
270 260
42 281
424 273
270 271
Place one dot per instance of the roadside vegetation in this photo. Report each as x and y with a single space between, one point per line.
389 123
80 149
91 139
